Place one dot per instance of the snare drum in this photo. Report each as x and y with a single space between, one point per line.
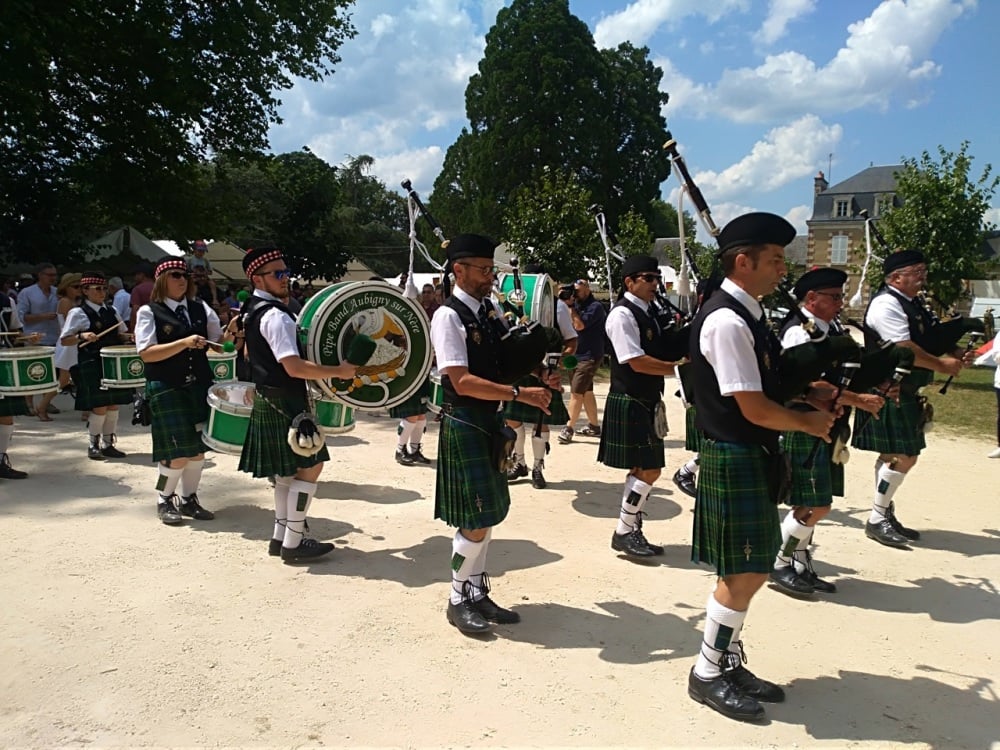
27 370
437 393
229 418
223 366
122 367
334 417
539 302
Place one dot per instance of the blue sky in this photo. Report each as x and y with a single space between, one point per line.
762 92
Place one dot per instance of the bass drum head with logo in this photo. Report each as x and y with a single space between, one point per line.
539 303
332 317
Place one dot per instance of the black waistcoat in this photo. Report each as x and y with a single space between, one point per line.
483 351
267 373
919 320
188 365
626 380
717 416
100 321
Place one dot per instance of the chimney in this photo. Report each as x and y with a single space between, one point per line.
819 183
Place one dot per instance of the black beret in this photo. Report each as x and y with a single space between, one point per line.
901 259
258 257
636 264
471 246
758 228
819 278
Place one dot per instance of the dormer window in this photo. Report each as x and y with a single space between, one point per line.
883 204
841 209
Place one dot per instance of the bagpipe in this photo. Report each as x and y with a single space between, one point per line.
673 323
800 365
522 342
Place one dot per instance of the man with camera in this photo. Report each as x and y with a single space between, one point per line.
588 316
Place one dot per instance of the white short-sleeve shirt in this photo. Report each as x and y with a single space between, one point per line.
565 322
145 323
726 342
886 317
278 329
623 329
448 333
797 335
78 322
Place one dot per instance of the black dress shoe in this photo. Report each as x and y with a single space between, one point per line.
308 549
9 472
274 547
516 472
911 534
630 544
467 618
111 452
641 538
884 533
818 584
685 483
493 612
747 682
403 458
722 695
789 582
537 480
168 513
192 508
417 456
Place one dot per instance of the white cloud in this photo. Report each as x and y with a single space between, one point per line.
420 166
884 57
797 217
779 14
992 216
684 92
641 19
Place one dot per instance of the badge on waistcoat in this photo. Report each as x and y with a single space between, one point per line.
649 334
98 326
767 361
168 329
477 336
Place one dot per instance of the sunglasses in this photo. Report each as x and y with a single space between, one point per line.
649 277
97 288
485 270
835 296
281 273
178 275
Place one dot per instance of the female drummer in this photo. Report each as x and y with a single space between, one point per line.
171 335
89 327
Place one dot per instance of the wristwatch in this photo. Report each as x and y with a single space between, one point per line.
516 391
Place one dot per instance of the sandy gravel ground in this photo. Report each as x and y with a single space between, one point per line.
119 631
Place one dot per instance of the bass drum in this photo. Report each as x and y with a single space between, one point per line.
332 317
539 303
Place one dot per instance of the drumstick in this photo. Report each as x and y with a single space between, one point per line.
102 334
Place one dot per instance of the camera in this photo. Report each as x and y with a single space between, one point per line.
566 292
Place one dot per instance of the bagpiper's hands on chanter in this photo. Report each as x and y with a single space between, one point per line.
535 396
817 423
553 380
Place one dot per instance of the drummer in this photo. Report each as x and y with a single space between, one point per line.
171 335
91 326
279 373
16 406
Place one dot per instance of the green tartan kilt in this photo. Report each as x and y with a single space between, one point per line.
517 411
627 436
736 526
470 493
13 406
692 435
415 405
177 413
266 451
896 431
87 376
812 488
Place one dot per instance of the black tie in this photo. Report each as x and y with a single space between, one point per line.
182 314
484 322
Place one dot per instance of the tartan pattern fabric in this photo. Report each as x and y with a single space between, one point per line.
87 376
177 413
812 488
470 493
627 436
13 406
692 435
266 451
736 525
517 411
415 405
894 432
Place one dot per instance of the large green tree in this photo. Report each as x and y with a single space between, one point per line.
941 213
545 97
106 106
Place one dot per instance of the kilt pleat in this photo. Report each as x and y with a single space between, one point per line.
177 412
896 431
627 436
89 394
470 493
415 405
13 406
516 411
811 488
736 525
266 451
692 435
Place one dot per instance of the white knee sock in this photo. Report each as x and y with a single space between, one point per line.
519 443
691 466
110 426
166 483
722 630
792 534
464 554
634 497
538 446
479 568
799 559
886 484
95 424
191 477
417 436
299 496
404 432
281 485
6 431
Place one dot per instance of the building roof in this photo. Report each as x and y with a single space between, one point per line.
863 190
870 180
